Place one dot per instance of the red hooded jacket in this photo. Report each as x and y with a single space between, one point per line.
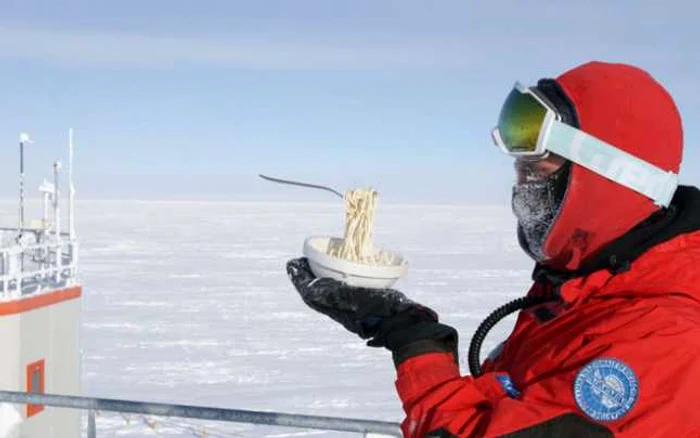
617 353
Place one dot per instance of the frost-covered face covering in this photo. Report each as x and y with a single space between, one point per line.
536 203
540 186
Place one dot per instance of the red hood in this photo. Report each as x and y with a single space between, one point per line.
624 106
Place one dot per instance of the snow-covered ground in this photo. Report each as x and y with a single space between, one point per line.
188 302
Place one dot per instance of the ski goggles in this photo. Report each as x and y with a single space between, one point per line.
530 128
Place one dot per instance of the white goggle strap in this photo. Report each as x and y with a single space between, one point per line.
612 163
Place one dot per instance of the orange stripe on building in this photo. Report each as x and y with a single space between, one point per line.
34 302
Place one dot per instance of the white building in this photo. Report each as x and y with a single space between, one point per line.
40 308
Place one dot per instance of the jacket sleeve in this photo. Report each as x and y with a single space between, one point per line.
643 383
440 403
629 376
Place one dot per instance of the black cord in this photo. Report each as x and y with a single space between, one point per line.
493 319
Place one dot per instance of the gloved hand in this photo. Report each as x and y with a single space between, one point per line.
385 316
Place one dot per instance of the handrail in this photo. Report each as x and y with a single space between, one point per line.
31 273
34 246
204 413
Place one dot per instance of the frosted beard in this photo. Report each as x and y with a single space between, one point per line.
536 205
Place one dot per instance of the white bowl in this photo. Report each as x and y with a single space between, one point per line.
356 274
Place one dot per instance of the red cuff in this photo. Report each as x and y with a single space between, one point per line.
418 375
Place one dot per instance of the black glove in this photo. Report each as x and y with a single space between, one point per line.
387 316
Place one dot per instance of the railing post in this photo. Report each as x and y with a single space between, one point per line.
91 427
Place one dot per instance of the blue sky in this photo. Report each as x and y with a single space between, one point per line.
191 99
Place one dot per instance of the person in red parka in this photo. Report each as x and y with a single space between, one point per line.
607 340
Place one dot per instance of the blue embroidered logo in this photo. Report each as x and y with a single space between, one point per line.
507 384
606 389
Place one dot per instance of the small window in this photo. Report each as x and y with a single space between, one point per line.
35 384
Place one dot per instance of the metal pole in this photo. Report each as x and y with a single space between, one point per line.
57 220
56 212
23 139
44 233
71 189
91 427
45 209
205 413
21 186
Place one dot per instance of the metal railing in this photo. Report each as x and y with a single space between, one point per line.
35 262
368 428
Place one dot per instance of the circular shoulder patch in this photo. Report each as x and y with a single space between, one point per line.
606 389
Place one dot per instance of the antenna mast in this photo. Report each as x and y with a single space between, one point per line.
71 189
23 139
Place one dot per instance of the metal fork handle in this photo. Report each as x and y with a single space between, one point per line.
297 183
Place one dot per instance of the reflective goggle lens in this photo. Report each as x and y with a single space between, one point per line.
520 122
